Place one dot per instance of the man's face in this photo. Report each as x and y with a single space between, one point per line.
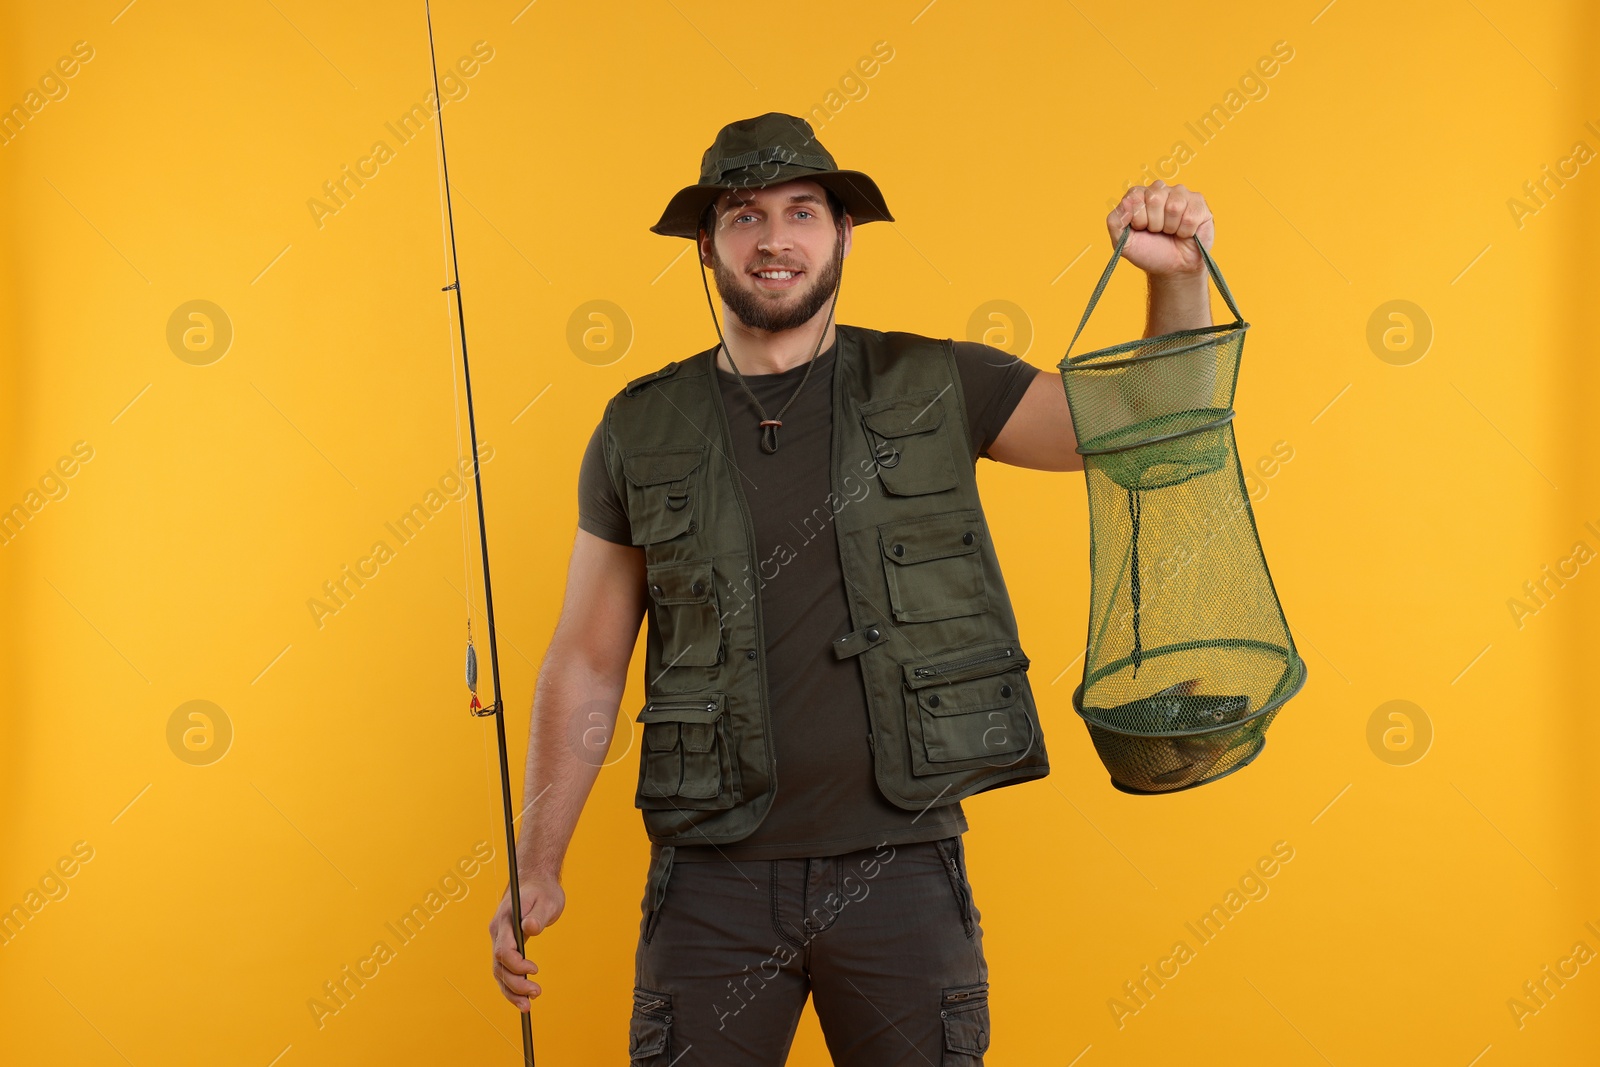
774 253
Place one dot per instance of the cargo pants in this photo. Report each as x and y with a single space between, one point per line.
886 941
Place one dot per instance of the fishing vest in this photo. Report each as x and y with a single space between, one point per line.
950 708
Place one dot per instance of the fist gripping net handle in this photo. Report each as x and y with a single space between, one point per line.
1188 657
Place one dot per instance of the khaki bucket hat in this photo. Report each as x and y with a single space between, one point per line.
768 150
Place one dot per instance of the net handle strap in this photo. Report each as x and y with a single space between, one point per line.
1116 254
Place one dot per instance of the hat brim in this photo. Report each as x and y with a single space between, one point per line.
859 193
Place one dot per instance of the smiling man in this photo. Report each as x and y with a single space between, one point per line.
831 659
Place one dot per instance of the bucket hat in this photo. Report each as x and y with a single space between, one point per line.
768 150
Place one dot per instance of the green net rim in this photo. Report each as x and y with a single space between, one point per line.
1068 364
1221 420
1165 459
1293 663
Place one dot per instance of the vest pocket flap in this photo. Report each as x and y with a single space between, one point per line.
980 661
975 694
663 738
902 415
700 708
935 537
654 466
697 736
682 582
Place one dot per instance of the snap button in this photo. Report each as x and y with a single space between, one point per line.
899 550
697 588
1005 690
872 634
966 538
933 701
656 589
751 654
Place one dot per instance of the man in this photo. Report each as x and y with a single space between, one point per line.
797 508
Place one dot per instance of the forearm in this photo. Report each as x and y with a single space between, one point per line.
1177 302
574 704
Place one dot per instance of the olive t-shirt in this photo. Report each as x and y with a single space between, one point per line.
827 799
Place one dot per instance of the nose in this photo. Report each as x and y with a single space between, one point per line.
775 237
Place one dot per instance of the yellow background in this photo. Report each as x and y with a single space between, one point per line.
219 498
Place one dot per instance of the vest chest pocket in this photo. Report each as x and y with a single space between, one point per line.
910 443
934 567
970 709
684 760
686 612
662 488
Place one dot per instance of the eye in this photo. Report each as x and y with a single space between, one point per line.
746 215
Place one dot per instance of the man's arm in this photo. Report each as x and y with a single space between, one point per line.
581 682
1165 219
1039 433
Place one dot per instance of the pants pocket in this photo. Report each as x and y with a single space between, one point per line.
655 891
965 1010
650 1028
955 867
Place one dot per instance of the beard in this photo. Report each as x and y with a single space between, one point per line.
774 311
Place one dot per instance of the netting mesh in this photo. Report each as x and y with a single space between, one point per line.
1188 656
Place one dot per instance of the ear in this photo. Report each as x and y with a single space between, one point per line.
847 227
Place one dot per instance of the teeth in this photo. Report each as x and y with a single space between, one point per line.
778 275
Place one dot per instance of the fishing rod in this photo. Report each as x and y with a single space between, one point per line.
496 706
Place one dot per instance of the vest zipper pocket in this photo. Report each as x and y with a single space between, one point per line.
970 663
656 708
962 664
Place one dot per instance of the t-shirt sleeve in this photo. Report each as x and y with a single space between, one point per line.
993 382
599 510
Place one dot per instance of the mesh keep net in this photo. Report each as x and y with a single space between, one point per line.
1188 656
